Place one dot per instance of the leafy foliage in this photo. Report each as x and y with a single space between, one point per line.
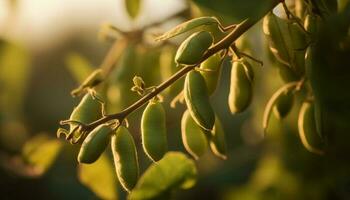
174 171
40 152
99 177
307 41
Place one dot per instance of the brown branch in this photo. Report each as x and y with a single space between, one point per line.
225 43
222 44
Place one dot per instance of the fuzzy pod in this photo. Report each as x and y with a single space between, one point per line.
312 73
197 100
193 48
241 88
211 69
153 130
307 129
87 111
218 140
125 158
94 144
286 41
193 137
275 30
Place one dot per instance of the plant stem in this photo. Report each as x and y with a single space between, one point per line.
225 43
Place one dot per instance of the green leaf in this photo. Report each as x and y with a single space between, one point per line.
187 26
41 152
79 67
14 75
99 177
133 7
175 170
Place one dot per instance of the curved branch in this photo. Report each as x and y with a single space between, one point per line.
225 43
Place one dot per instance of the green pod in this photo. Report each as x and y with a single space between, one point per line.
218 140
286 41
87 111
94 144
241 90
153 130
191 50
312 74
307 129
275 29
312 25
299 43
125 158
197 100
193 137
283 104
211 69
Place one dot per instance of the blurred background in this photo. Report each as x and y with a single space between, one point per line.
48 47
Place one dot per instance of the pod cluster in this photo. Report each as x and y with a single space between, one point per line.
201 129
123 150
292 44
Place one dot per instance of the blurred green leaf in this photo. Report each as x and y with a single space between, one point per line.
14 73
175 170
133 7
78 66
120 80
100 178
41 152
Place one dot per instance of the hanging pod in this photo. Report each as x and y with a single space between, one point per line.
286 41
193 137
312 72
193 48
218 140
94 144
210 70
87 111
197 100
276 31
283 104
125 158
307 129
153 130
241 88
